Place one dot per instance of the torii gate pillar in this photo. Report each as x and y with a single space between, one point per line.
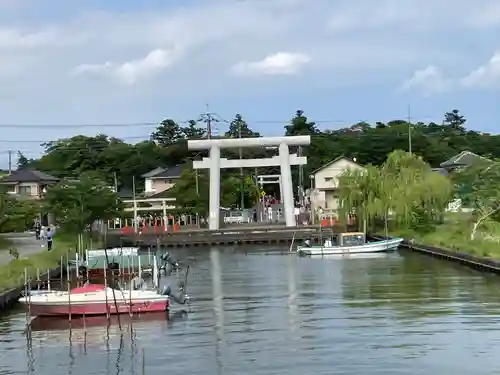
215 163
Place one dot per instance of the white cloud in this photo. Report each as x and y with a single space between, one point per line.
350 43
429 80
130 71
10 38
281 63
485 76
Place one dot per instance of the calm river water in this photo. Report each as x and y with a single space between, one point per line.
261 313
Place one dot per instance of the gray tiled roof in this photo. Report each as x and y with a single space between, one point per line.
174 172
152 173
28 175
465 158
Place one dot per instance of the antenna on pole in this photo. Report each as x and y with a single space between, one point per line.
409 129
209 118
10 162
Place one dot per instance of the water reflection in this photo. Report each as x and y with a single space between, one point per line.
94 325
218 306
415 286
272 314
292 292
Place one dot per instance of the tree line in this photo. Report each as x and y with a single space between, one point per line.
110 157
396 181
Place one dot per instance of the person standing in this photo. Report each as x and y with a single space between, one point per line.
38 229
270 213
49 234
297 215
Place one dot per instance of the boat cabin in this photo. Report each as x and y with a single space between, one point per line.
351 239
341 239
112 252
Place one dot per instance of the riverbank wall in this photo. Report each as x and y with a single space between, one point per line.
469 260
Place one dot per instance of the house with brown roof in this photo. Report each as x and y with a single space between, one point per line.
28 183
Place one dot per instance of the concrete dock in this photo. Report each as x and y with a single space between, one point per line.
235 235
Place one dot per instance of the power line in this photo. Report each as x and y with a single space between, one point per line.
74 126
214 118
142 137
102 147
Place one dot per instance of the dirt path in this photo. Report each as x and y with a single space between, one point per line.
25 243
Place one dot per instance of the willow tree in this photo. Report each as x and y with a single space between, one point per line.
360 193
478 185
404 189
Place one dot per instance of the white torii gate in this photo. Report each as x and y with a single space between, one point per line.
284 160
267 179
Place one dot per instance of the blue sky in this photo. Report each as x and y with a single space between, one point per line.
137 62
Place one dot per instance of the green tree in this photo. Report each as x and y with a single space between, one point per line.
455 120
368 143
16 215
69 158
191 191
300 125
77 204
404 187
478 184
238 128
22 161
167 133
72 156
193 131
232 188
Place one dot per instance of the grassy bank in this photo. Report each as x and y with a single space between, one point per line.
12 274
5 243
455 235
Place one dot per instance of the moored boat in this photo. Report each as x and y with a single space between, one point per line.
96 299
347 243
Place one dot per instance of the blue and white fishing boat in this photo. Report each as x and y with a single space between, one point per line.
347 243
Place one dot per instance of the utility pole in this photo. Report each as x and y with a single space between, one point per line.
409 129
197 183
242 185
301 179
10 162
135 205
209 118
209 126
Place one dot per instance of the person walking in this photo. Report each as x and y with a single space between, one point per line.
49 234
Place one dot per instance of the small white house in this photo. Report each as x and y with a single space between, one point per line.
161 179
324 183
